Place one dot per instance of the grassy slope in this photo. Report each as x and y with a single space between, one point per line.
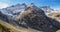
15 29
11 27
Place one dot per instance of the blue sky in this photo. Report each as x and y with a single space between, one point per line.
53 3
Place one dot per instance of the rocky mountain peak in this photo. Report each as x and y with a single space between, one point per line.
36 19
29 16
47 9
14 9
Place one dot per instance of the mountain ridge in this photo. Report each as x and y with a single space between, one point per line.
31 17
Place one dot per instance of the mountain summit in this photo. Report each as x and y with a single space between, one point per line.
29 16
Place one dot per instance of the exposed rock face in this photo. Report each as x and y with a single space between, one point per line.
35 18
2 16
13 10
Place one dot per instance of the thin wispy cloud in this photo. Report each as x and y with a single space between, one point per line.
3 5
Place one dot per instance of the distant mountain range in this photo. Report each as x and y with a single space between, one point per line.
14 10
47 9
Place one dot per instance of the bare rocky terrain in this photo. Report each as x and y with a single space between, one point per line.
31 19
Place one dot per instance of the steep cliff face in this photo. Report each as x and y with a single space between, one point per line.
35 18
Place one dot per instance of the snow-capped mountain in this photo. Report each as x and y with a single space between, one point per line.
13 10
47 9
29 16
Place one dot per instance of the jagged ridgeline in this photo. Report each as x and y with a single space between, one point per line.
35 18
29 16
